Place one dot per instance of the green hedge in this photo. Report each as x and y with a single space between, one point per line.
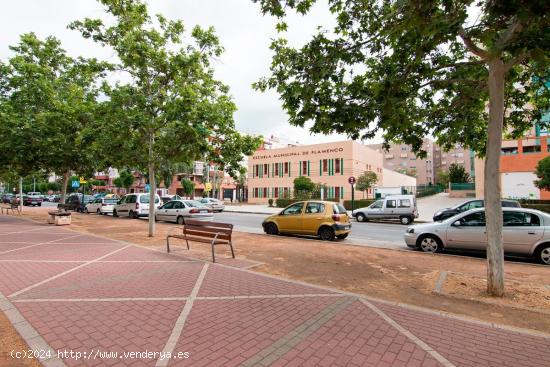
361 203
533 201
542 207
283 203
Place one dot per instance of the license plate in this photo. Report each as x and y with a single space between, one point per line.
204 211
347 227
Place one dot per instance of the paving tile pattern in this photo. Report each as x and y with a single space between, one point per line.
80 298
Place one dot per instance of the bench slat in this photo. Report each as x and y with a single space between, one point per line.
188 227
201 223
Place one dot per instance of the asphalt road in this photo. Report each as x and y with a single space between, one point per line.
386 235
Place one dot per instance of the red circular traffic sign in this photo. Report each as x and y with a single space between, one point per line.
351 180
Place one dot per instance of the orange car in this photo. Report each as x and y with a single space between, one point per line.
326 219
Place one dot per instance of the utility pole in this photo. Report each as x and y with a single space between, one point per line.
21 193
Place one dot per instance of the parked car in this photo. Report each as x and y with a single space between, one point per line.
525 232
402 207
101 206
179 210
7 198
470 204
56 198
34 200
78 202
135 205
168 198
215 204
325 219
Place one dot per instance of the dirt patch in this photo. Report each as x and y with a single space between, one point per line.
518 294
400 276
11 341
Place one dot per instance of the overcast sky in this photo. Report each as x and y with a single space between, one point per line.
243 31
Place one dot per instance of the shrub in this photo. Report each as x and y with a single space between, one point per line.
270 202
284 202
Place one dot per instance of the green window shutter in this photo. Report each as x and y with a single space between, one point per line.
289 167
308 168
320 167
330 167
341 191
281 169
300 168
341 166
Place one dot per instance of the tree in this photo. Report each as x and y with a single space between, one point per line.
188 187
303 187
48 102
412 68
366 181
543 173
172 109
458 174
442 177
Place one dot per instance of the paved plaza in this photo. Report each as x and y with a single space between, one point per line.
85 300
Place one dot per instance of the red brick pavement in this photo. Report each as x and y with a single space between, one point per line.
139 300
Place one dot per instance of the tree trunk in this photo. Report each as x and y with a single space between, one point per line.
152 188
493 209
66 177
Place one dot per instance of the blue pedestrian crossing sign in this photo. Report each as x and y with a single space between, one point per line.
75 184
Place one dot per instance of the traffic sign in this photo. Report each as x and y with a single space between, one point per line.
75 184
82 180
351 180
208 187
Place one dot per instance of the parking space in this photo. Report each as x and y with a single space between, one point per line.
102 298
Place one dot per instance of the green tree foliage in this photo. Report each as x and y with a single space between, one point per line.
543 173
172 109
47 107
408 69
303 187
366 181
188 187
442 177
125 179
458 174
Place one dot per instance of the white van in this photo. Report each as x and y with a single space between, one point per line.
402 207
135 205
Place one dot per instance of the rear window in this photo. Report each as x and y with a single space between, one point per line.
194 204
110 201
144 199
339 209
510 204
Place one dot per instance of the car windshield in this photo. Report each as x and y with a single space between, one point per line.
377 204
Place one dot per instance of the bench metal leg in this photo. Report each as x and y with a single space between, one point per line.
187 242
231 246
167 244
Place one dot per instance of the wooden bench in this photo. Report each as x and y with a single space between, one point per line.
11 206
214 233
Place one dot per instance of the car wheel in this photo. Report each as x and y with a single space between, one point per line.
429 243
98 212
179 220
361 217
86 211
271 228
543 254
405 219
342 236
326 234
39 204
115 214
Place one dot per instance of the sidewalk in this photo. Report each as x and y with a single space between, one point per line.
99 298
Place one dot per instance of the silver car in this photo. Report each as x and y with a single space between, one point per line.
178 210
215 204
525 232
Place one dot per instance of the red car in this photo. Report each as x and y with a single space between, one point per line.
32 200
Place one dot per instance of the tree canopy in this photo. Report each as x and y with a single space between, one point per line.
412 68
366 181
543 173
48 103
458 174
172 109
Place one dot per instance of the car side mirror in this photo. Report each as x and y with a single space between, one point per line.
457 223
